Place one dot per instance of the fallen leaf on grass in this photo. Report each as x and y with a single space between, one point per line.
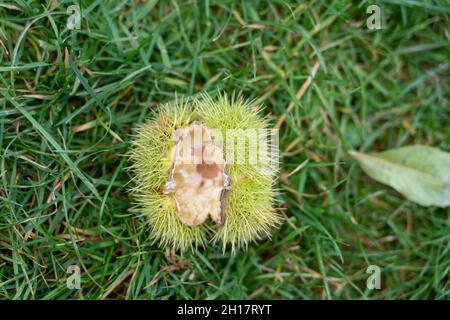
420 173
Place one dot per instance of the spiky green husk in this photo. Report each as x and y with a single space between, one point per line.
249 203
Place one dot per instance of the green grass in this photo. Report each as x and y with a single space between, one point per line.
69 101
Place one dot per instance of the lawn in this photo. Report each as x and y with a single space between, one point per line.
70 99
